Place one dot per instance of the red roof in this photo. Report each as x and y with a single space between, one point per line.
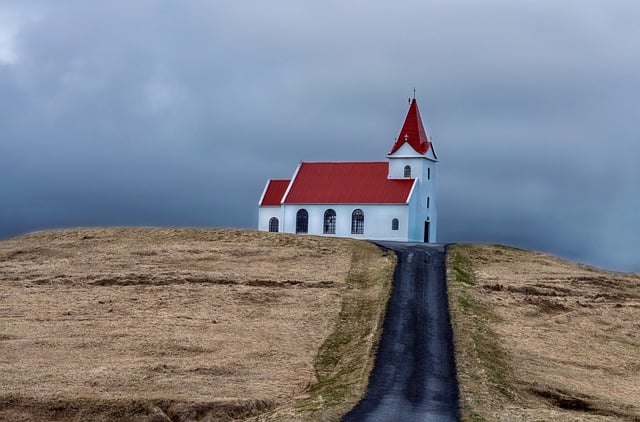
347 183
274 192
413 132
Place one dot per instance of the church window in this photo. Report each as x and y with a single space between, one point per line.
428 201
407 171
329 226
429 173
395 224
357 222
302 221
273 224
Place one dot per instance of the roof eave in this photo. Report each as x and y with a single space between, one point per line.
293 179
434 152
264 192
413 186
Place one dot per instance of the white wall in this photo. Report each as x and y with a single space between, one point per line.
377 220
403 156
424 171
264 215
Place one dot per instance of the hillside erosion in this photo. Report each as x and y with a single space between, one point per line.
186 324
539 338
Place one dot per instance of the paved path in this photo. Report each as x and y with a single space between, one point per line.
414 376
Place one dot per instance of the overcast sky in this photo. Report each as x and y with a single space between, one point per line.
174 113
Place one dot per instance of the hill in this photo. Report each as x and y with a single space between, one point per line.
539 338
186 324
195 324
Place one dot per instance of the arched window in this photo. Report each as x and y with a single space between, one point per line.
273 224
428 201
329 226
429 173
394 224
357 222
302 221
407 171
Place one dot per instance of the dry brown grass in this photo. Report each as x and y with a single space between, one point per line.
541 339
179 324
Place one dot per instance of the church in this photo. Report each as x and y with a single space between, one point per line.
386 200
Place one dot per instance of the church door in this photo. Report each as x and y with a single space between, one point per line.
426 232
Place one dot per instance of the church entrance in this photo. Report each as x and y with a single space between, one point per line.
426 232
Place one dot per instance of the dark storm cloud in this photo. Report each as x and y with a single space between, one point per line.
175 113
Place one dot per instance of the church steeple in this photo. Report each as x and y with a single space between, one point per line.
413 132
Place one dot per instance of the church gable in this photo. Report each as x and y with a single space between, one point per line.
406 150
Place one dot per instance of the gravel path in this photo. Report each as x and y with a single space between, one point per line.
414 377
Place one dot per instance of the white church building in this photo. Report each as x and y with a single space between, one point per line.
387 200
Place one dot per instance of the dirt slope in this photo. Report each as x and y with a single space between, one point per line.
182 324
539 338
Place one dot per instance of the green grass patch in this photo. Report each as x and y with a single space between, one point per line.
474 417
345 360
478 353
465 304
461 266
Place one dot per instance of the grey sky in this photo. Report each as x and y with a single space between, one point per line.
176 113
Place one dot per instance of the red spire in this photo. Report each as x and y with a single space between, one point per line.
413 132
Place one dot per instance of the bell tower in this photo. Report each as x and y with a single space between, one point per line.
412 156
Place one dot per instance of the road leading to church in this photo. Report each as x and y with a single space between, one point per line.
414 376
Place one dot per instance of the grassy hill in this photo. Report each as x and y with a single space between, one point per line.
541 339
195 324
186 324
